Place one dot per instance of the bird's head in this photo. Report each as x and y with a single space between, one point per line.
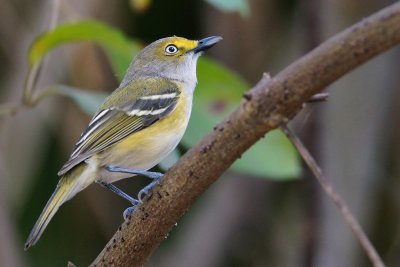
171 57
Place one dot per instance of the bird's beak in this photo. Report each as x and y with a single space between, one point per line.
206 43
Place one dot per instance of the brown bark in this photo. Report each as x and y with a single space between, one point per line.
267 105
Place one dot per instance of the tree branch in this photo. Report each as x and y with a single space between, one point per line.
266 106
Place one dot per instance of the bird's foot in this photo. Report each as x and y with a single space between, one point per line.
152 175
128 212
146 190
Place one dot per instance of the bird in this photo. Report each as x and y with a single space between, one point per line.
137 126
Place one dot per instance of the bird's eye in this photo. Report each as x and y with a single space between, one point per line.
171 49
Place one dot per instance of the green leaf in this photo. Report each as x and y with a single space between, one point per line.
218 93
119 49
273 157
89 102
241 6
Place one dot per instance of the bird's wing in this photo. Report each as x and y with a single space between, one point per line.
110 125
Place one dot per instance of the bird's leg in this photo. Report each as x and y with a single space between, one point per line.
122 194
152 175
119 192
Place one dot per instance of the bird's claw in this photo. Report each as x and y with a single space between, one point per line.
128 212
146 190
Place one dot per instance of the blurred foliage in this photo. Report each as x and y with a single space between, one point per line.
241 6
218 93
140 5
118 47
88 101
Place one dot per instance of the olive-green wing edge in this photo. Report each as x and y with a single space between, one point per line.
115 124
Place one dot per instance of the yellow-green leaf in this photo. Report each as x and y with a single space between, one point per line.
118 47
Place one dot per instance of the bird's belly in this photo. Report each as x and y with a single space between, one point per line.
148 152
142 150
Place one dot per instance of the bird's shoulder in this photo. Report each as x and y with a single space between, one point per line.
142 88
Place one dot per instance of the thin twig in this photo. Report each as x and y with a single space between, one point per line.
28 97
55 13
336 198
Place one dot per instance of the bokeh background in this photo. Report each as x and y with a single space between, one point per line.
271 218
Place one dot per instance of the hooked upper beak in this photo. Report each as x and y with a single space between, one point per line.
206 43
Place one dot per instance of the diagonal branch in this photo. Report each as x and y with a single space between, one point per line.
336 198
267 105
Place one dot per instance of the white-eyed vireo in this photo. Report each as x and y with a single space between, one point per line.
136 127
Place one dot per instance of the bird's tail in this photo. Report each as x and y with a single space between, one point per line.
68 186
